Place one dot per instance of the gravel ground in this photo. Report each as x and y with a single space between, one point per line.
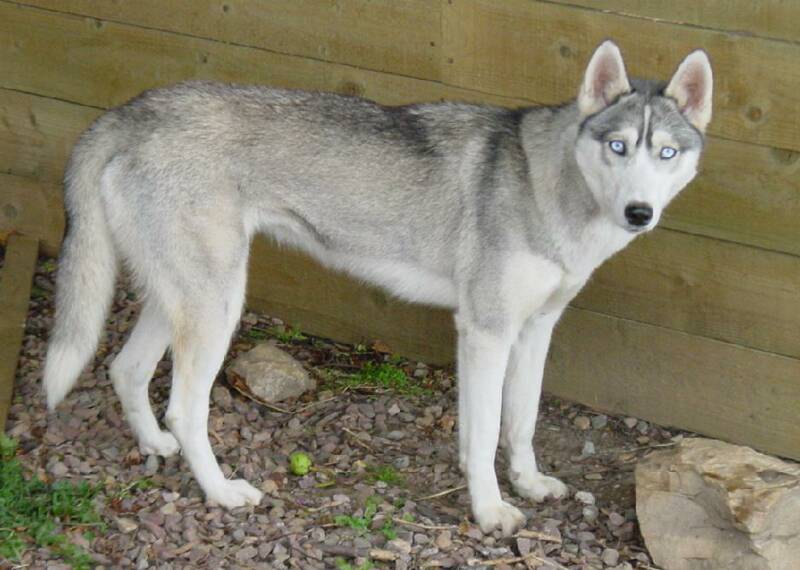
391 455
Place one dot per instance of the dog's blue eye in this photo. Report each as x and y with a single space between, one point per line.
618 147
668 152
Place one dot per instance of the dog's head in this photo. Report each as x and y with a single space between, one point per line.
640 141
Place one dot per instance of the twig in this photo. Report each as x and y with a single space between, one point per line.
525 533
442 493
311 405
358 440
399 520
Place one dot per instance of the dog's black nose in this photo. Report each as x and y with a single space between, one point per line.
638 214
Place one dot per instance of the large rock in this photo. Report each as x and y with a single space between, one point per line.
707 505
268 374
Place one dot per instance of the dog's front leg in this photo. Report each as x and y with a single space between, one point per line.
521 392
482 360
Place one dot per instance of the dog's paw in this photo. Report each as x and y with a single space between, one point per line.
502 515
538 487
161 443
234 493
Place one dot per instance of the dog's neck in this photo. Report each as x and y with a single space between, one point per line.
564 204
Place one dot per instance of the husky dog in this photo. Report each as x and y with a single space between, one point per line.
501 215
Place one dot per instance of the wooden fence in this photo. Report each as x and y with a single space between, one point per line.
696 325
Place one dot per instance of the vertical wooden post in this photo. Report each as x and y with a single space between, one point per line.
16 279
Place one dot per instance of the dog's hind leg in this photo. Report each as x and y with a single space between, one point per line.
521 393
203 328
131 372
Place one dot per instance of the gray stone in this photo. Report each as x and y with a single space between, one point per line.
709 504
610 557
582 423
269 374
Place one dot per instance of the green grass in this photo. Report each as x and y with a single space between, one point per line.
387 474
380 375
361 523
35 513
342 564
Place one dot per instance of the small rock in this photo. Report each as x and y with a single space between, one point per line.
151 465
585 497
590 513
59 469
630 423
126 525
444 540
524 546
269 486
615 519
399 545
393 410
710 504
221 396
599 422
588 449
169 509
247 553
270 374
582 423
610 557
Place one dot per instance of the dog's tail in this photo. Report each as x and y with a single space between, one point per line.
86 271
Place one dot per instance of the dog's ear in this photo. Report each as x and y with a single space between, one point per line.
692 87
605 79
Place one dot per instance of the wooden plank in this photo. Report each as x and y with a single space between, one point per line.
674 379
32 208
16 278
538 50
295 288
103 64
767 18
37 134
702 286
743 193
382 35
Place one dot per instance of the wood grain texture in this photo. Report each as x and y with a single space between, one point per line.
103 64
778 19
539 50
743 193
674 379
710 288
382 35
16 278
32 208
38 133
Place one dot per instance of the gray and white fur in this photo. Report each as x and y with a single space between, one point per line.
501 215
